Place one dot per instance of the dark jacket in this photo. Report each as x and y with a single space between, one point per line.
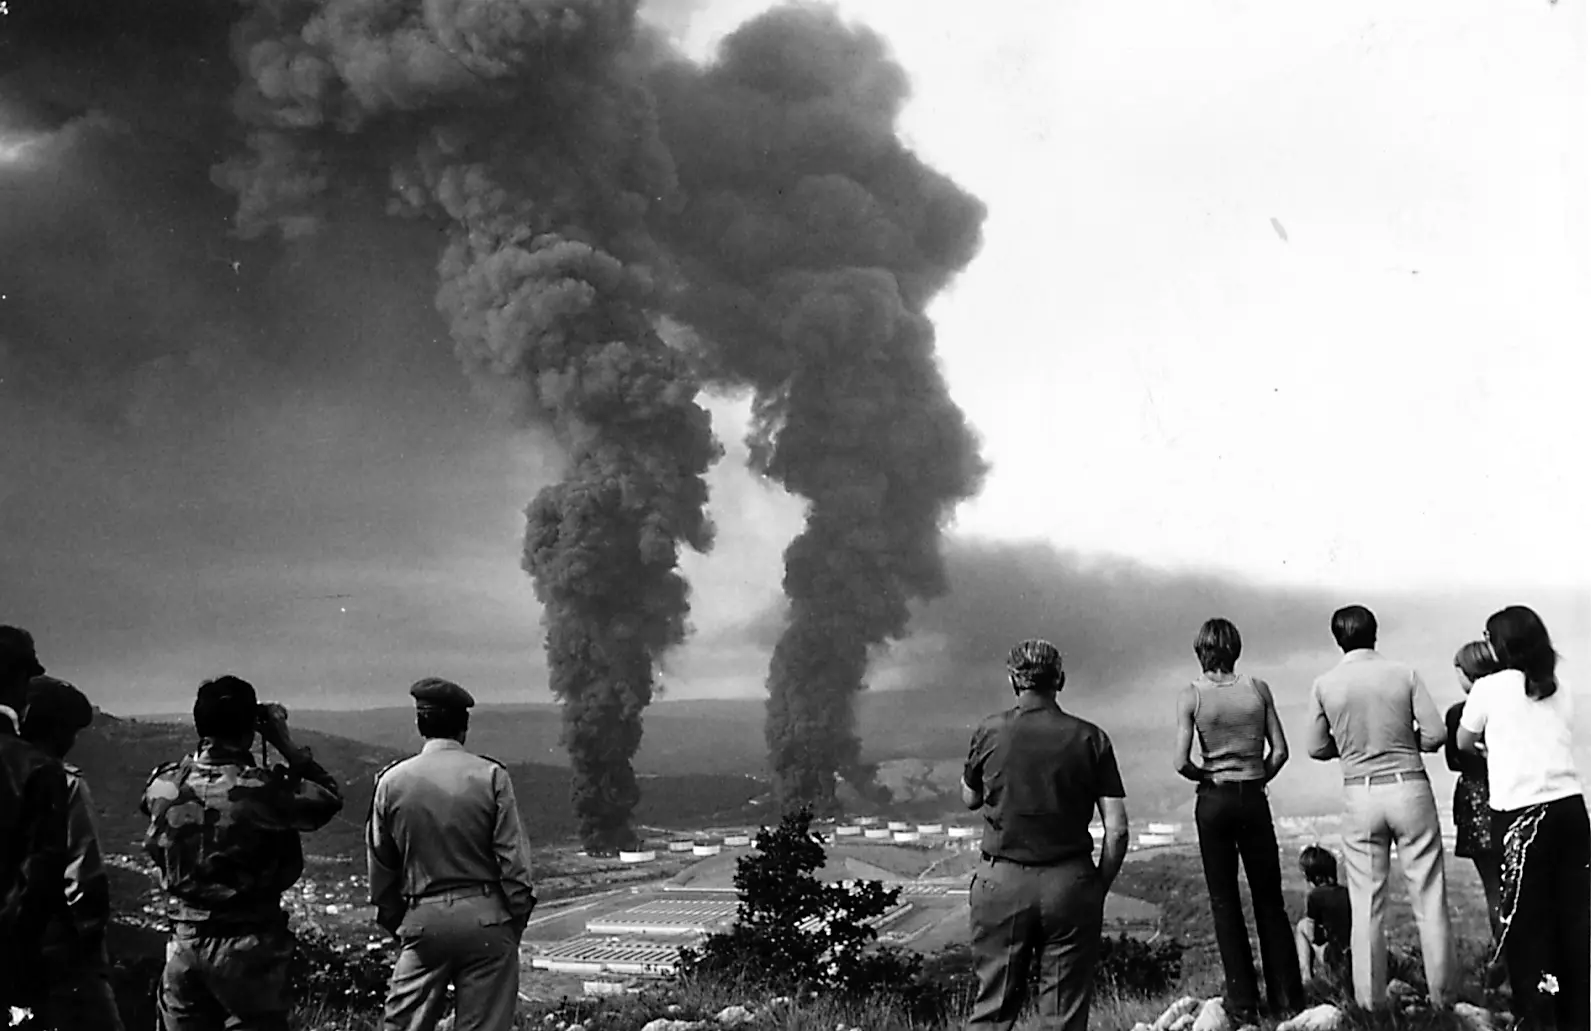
32 860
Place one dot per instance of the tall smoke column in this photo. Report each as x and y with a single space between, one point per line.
812 241
524 127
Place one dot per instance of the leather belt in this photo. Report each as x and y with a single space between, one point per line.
1384 778
452 894
987 858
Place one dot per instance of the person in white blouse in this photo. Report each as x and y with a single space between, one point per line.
1522 718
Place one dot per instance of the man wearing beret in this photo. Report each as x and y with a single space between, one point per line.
224 837
1038 775
449 873
81 997
32 833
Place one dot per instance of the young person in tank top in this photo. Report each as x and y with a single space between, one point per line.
1243 747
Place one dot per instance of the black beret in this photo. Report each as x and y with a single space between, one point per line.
436 693
227 691
56 705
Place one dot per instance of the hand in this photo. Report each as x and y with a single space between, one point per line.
273 722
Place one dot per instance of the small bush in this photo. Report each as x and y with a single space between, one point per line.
794 932
326 973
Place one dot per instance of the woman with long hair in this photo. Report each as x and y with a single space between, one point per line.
1242 747
1524 715
1472 814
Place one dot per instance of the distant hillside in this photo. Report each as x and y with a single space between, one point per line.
921 747
118 755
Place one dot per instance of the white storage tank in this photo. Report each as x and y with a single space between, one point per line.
876 834
706 850
847 831
736 840
637 857
963 832
930 828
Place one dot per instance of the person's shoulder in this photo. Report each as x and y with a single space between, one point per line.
1088 729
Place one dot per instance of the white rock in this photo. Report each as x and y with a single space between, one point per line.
674 1009
730 1016
1212 1017
576 1027
1183 1023
1324 1017
1400 990
1141 1026
446 1023
665 1024
779 1000
1176 1011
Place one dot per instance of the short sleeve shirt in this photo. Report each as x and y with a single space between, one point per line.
1041 772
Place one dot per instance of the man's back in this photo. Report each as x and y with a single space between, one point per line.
224 833
1371 706
32 856
1042 772
447 818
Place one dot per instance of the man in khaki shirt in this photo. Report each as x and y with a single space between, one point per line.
449 873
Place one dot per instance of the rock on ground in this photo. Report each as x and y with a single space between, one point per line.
1212 1017
665 1024
730 1016
1324 1017
1175 1012
1473 1017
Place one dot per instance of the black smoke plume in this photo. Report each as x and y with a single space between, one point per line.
524 128
573 158
811 241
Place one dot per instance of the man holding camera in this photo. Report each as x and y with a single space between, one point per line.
224 837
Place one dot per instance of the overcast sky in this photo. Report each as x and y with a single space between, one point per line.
1292 294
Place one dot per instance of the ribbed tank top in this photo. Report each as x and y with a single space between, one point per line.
1229 715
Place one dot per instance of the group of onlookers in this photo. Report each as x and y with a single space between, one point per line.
448 860
1038 774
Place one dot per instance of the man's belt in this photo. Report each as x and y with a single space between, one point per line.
452 894
991 858
1384 778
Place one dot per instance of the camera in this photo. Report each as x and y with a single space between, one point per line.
266 714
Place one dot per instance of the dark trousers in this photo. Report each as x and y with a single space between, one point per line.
1550 933
1051 914
1234 822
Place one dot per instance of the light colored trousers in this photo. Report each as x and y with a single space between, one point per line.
1401 813
469 943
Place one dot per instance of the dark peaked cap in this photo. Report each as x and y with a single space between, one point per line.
436 693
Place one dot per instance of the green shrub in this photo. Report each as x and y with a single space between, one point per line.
793 932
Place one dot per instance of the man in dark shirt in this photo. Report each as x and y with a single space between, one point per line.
1037 775
32 834
1324 933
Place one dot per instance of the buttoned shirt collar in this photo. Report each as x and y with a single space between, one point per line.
439 744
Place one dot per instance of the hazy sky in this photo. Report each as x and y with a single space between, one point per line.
1292 294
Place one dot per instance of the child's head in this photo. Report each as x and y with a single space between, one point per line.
1319 866
1473 661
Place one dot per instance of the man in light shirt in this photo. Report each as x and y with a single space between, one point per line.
449 873
1377 718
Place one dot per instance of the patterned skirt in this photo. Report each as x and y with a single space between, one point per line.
1472 818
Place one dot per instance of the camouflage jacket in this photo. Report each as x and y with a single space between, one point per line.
32 857
224 833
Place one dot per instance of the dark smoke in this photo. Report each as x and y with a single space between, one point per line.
573 159
525 130
812 240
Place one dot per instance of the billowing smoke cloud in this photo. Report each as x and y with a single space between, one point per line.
522 126
811 240
591 183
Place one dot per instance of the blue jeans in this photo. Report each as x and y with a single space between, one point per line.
1234 822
